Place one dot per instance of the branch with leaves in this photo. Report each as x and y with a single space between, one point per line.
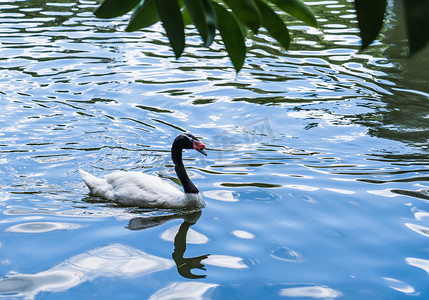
235 19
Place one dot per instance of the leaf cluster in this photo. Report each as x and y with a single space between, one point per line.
235 19
371 15
232 19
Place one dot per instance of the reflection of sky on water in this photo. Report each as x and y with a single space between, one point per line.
316 292
315 179
111 261
192 236
115 260
184 290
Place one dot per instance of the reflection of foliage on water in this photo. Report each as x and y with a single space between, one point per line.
403 117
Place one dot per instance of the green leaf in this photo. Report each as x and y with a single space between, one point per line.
231 36
186 17
211 21
115 8
204 18
417 24
144 15
246 12
274 24
172 20
297 9
370 15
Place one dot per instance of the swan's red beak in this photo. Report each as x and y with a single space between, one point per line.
200 147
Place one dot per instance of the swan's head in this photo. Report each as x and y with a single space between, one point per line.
189 141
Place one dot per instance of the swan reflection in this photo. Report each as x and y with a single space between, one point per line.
184 265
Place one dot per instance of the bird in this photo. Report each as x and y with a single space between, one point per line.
141 190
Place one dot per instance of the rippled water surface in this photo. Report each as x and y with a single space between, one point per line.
316 181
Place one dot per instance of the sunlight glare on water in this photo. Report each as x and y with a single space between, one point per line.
315 179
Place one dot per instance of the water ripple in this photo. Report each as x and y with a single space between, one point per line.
286 254
322 148
115 260
39 227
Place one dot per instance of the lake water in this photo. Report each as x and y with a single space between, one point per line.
316 179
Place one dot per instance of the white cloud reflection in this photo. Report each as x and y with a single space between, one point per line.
226 261
313 291
184 290
419 229
221 195
115 260
192 237
399 286
419 263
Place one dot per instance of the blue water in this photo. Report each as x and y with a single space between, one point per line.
315 179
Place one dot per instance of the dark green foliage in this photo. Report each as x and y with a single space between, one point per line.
297 9
172 20
115 8
144 15
274 24
234 19
204 18
246 12
370 15
417 13
231 35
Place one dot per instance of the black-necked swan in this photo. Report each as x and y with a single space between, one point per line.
146 191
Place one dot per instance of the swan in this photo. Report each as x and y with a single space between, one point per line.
147 191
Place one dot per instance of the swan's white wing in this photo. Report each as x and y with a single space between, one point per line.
139 189
97 186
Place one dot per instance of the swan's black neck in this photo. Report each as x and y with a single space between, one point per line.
176 156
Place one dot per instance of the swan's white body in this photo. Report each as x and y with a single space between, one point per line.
141 190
